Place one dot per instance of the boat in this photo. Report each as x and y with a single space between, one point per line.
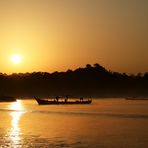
136 98
56 101
7 99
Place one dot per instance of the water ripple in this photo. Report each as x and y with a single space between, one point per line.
98 114
116 115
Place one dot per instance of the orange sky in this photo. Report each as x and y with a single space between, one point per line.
58 35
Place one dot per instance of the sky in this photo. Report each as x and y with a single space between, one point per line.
57 35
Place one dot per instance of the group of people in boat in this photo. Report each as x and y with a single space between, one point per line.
57 98
66 99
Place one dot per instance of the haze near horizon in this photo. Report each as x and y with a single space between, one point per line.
55 35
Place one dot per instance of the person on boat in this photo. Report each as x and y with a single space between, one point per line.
57 98
81 99
66 99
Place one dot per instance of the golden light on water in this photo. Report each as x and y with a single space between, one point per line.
16 105
15 130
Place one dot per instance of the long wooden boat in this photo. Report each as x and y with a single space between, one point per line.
50 102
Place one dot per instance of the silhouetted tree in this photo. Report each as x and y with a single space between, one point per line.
89 81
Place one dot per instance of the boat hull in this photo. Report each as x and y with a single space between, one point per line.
47 102
146 99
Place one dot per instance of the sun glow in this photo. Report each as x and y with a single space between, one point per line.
16 59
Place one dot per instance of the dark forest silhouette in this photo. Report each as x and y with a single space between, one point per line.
91 81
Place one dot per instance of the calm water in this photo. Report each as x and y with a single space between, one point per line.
108 123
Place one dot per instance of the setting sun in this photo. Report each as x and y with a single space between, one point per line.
16 59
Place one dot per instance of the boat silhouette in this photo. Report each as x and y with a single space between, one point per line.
136 98
57 101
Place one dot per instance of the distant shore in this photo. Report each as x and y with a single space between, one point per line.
91 81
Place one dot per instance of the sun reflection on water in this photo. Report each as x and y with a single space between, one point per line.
16 105
15 130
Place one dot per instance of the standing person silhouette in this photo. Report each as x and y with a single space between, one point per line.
57 98
66 99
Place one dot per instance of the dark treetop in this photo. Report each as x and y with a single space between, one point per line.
93 81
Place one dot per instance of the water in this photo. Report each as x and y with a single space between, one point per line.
106 123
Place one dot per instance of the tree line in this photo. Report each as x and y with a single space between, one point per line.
90 81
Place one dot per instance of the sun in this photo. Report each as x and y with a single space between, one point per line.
16 59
